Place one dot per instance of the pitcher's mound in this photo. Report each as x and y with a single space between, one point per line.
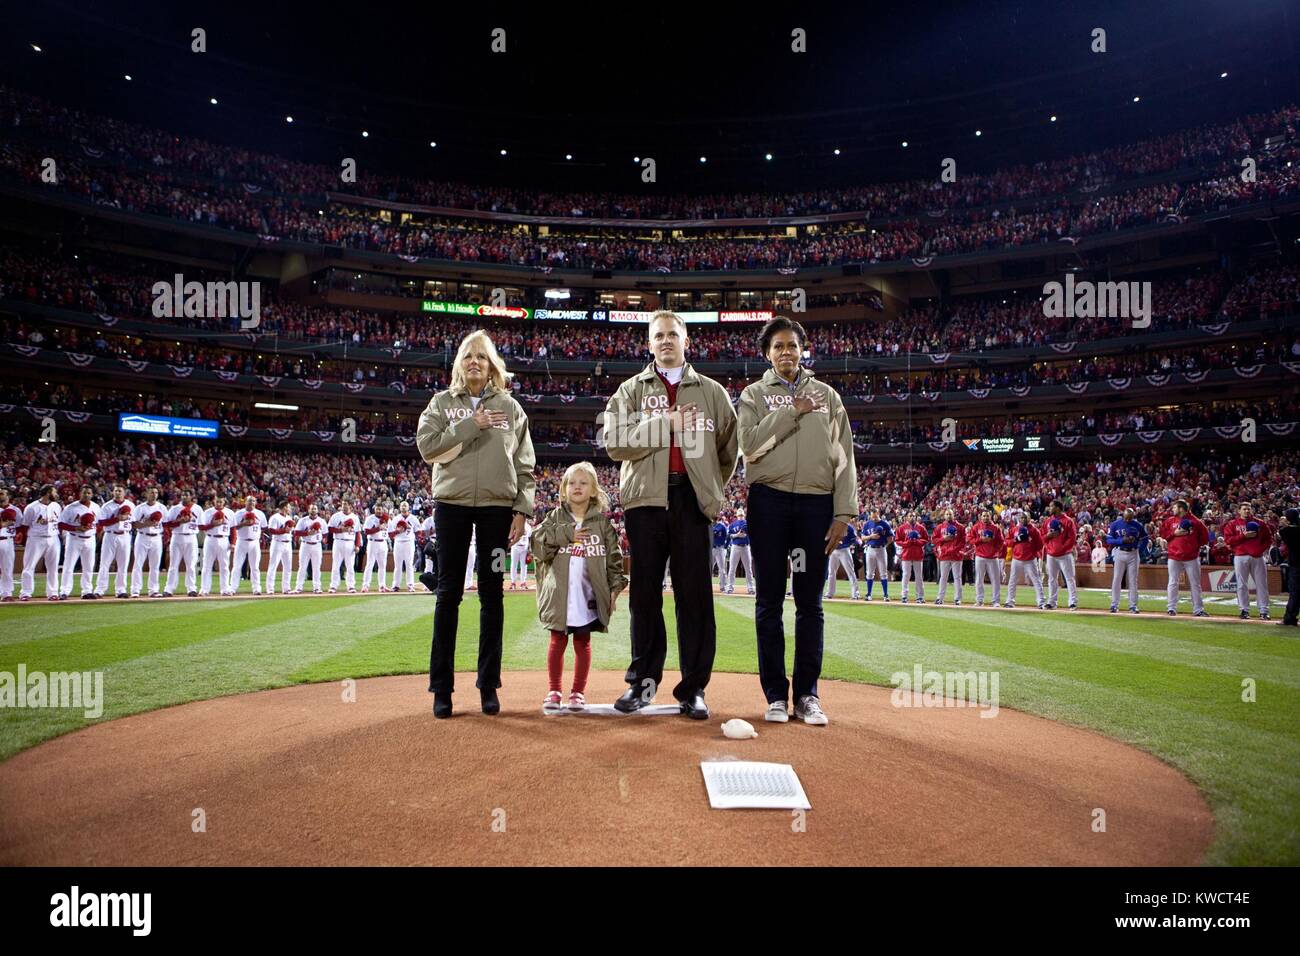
299 776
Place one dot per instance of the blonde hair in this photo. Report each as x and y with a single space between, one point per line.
669 314
588 469
498 377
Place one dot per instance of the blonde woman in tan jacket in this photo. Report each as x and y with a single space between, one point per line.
475 435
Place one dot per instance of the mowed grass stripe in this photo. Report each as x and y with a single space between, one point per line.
98 647
1191 688
35 622
1242 770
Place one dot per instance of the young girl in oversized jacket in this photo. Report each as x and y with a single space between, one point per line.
579 578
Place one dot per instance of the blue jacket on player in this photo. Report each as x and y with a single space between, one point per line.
1120 529
849 540
882 526
741 531
719 534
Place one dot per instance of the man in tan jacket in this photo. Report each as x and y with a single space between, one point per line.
674 430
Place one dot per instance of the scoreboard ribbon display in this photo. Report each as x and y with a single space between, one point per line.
1021 444
162 425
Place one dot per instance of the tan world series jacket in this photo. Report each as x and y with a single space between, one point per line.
636 433
553 546
478 467
810 454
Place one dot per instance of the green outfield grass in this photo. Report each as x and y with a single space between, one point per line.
1170 686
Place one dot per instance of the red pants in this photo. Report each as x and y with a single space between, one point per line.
581 659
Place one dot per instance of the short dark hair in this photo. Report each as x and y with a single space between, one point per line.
780 324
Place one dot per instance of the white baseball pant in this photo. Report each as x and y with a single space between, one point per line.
6 567
1029 571
249 552
841 558
519 564
282 558
79 550
949 569
35 551
216 550
345 550
148 549
404 564
1192 569
471 565
720 562
1057 566
1125 564
989 569
912 570
739 553
114 549
184 548
875 563
1248 567
376 557
309 554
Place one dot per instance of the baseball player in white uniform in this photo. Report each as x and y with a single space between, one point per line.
376 530
10 521
404 525
250 522
115 547
738 532
429 576
280 527
309 532
80 519
41 519
148 542
215 525
343 525
519 559
183 520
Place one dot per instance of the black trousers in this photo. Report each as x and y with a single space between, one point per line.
679 535
1293 592
782 523
454 525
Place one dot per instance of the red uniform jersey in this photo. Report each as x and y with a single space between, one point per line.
1234 533
1064 540
911 549
950 539
1030 548
1184 547
988 540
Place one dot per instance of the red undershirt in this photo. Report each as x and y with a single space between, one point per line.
676 464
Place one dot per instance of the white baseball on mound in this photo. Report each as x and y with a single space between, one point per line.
738 729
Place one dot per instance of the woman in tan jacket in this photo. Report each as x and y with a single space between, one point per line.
475 435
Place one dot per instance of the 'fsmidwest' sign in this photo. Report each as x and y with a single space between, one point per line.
162 425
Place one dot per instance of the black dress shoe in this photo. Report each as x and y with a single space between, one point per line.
695 708
441 705
630 702
491 705
429 580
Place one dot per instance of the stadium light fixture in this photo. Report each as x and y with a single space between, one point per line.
365 134
212 100
904 144
127 77
1137 99
1223 75
288 119
556 294
837 152
1053 117
636 159
503 152
767 156
433 144
274 407
36 48
979 132
568 156
704 159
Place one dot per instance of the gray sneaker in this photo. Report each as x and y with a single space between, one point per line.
809 710
777 712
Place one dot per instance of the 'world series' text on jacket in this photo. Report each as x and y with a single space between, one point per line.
810 454
478 467
552 544
637 434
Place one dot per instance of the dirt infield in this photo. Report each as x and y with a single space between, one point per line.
298 776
